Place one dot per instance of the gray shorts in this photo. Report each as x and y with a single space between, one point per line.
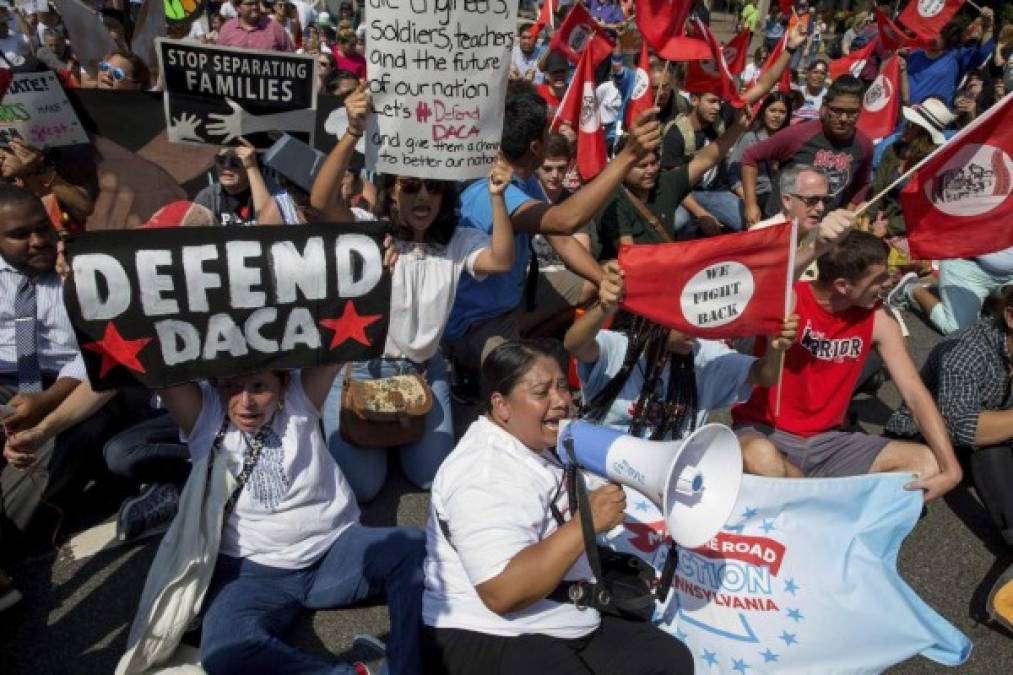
831 454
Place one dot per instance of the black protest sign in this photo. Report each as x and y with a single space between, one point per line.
217 94
174 305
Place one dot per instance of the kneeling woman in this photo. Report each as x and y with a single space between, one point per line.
494 551
291 536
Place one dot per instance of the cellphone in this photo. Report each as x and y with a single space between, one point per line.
7 410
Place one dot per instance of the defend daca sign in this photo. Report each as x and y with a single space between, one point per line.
176 305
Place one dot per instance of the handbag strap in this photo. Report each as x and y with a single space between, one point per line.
648 216
255 448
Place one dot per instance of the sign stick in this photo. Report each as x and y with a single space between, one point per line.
788 297
664 77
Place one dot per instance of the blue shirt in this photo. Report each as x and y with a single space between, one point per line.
940 76
877 154
499 293
721 377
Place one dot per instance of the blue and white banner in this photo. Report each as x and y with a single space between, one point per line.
802 578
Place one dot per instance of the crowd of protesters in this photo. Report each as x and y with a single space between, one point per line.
482 273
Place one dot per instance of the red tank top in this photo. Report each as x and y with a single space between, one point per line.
820 369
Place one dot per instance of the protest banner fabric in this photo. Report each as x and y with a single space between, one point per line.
802 579
893 38
218 94
174 305
853 63
712 75
724 287
438 81
662 24
959 201
579 32
579 109
881 103
642 98
928 17
545 18
35 110
737 51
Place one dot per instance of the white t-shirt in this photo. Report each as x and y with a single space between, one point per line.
296 501
999 263
423 286
228 10
810 108
494 495
307 15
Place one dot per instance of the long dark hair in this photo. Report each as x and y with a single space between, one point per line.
505 365
442 228
772 98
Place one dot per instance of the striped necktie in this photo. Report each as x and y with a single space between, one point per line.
26 337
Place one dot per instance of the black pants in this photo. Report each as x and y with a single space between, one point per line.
992 472
617 647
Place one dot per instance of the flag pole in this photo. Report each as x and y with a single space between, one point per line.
788 293
664 78
977 7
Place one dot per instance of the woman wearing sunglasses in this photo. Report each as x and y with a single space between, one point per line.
433 252
123 71
773 115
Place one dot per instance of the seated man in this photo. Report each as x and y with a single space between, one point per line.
796 433
969 377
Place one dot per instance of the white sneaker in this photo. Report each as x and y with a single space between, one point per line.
899 296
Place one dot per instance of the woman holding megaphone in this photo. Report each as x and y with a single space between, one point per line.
500 548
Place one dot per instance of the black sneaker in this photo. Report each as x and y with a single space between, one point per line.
150 512
376 661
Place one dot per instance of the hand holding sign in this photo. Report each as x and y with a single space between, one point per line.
783 340
356 106
246 154
645 134
833 228
612 287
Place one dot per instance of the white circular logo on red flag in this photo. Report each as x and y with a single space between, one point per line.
717 294
589 121
640 84
579 36
879 94
929 8
976 180
709 67
730 52
857 67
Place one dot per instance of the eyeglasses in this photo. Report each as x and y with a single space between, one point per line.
412 186
810 200
847 113
228 161
116 71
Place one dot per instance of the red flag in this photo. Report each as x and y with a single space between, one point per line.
723 287
661 23
579 108
737 51
784 84
854 62
544 17
712 76
881 103
892 37
785 5
579 31
959 202
927 17
6 75
642 97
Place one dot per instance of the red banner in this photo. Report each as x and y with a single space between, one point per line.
642 97
881 103
737 52
853 63
893 38
757 551
958 203
544 18
927 17
662 23
579 31
712 76
722 287
579 109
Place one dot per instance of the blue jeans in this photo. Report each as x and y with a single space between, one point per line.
366 468
149 452
722 204
250 606
963 287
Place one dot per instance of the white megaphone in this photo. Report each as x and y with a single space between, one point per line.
694 482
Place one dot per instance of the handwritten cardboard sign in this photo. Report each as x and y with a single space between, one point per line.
437 74
36 111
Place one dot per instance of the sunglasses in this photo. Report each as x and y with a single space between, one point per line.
811 200
116 71
411 186
229 161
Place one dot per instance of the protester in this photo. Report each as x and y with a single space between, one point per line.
812 93
252 29
240 192
936 71
326 72
793 433
553 87
774 114
526 56
123 71
496 556
286 15
433 252
753 69
347 57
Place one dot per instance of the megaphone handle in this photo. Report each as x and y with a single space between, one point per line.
577 487
668 571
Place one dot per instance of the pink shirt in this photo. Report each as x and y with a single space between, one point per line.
356 63
267 35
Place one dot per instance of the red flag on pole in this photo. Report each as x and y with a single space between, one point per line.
642 97
544 17
712 76
927 17
737 51
881 103
892 37
579 108
958 203
723 287
662 22
854 62
579 31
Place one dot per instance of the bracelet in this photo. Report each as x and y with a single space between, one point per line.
351 132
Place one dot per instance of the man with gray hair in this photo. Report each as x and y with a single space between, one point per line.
804 194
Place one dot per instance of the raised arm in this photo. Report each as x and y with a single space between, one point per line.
768 79
713 153
580 338
325 196
499 256
184 403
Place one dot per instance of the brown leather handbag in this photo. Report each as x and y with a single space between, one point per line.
384 412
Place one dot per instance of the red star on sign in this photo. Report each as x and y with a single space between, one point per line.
351 325
117 351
